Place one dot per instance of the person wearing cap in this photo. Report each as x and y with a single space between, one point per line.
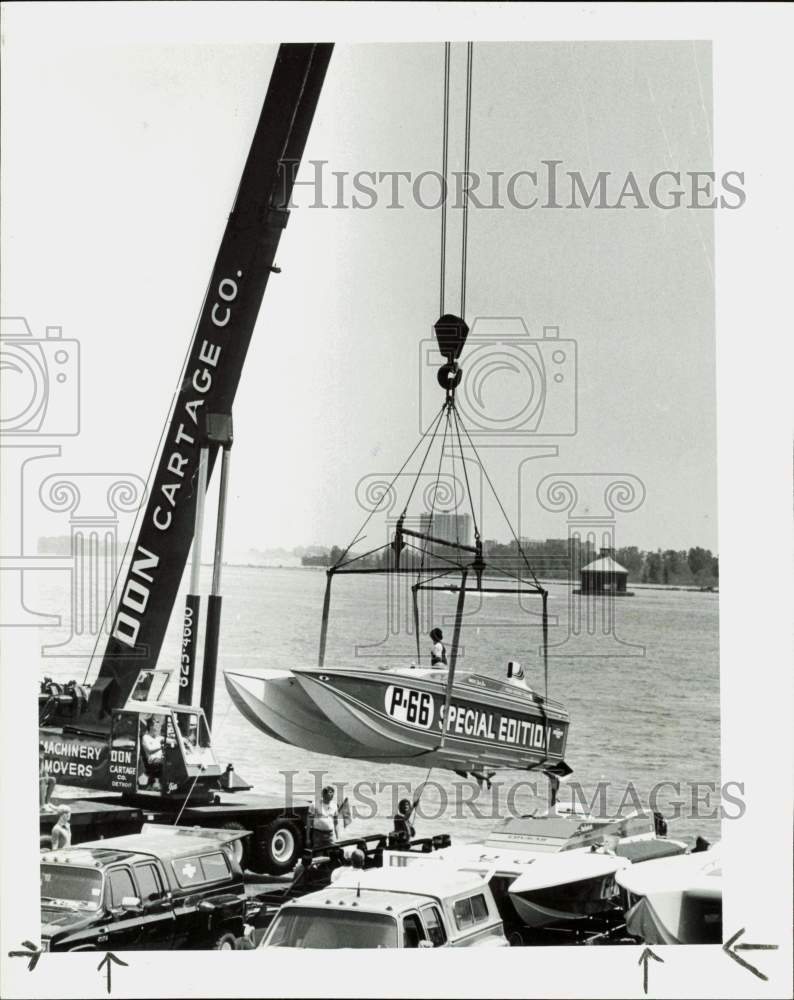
62 830
438 651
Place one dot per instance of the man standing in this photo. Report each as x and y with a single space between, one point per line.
46 784
152 746
324 820
62 831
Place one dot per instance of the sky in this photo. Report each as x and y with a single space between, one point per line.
123 162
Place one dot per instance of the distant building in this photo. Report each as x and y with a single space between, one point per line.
450 527
604 576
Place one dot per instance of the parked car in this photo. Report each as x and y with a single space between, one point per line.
166 887
391 908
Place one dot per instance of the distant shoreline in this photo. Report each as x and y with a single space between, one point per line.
639 586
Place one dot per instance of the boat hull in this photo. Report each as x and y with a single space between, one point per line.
567 888
399 716
675 900
274 702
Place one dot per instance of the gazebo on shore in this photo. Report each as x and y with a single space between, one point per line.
604 576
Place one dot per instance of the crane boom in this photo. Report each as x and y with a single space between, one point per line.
242 268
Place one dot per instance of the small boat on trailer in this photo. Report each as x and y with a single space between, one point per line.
675 900
560 867
551 892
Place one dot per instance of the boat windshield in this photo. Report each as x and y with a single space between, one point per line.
306 927
75 888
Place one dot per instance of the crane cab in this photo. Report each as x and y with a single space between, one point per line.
157 746
119 761
183 756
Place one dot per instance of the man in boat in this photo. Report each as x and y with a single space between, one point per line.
438 651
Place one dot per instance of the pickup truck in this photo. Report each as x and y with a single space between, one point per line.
414 907
166 887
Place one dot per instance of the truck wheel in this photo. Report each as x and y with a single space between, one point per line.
278 847
225 942
241 849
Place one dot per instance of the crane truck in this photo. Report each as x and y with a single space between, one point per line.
91 736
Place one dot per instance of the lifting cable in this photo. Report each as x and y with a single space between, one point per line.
466 156
435 491
445 176
444 169
501 508
431 431
457 420
449 412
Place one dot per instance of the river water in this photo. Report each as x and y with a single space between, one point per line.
639 676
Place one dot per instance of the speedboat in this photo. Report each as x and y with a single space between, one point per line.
406 715
464 721
560 866
583 885
675 900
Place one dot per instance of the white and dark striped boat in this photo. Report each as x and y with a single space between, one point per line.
398 715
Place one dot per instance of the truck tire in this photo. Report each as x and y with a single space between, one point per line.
241 849
278 846
225 942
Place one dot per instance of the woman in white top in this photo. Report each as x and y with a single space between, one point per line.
438 651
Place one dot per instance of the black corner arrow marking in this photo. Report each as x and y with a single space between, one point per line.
108 961
645 958
731 947
32 953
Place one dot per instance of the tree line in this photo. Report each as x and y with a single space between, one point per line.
553 558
